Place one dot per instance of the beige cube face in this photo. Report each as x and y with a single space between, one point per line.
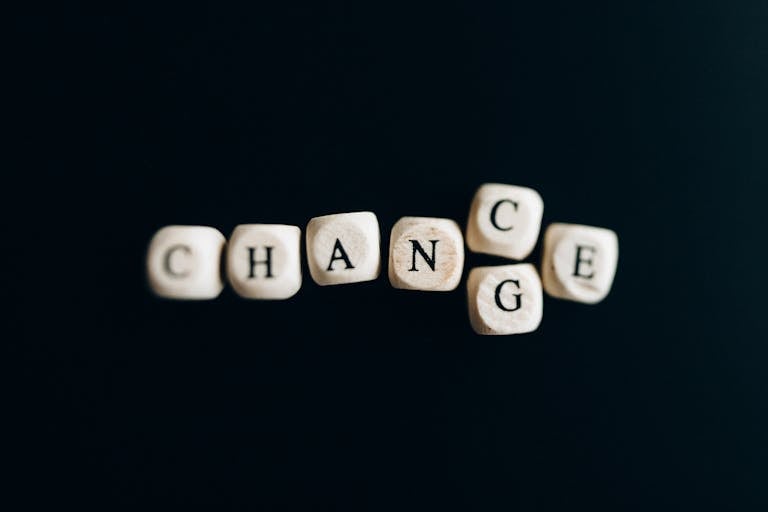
426 253
504 220
264 261
184 262
579 262
505 300
344 248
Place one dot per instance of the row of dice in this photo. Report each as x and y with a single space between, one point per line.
263 261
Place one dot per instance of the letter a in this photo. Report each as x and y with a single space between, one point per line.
337 247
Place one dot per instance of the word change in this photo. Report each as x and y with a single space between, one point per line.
263 261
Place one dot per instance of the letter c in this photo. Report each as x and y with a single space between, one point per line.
167 261
495 209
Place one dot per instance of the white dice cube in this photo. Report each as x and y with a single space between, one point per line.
426 253
344 248
504 220
505 299
184 262
264 261
579 262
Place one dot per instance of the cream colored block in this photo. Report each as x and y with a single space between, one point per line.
343 248
579 262
504 220
264 261
505 300
426 253
184 262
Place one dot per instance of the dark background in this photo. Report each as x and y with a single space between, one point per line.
649 119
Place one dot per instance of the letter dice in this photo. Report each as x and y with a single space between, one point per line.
504 220
426 254
505 299
184 262
579 262
264 261
343 248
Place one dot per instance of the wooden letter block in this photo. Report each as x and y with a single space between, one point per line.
504 220
184 262
264 261
344 248
426 254
505 300
579 262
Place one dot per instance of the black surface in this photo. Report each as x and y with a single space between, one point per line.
647 119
